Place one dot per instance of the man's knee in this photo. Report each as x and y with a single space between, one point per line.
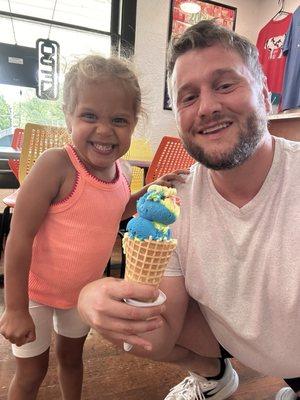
196 335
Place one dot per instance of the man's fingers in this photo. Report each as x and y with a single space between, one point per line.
125 326
130 339
135 327
119 289
128 312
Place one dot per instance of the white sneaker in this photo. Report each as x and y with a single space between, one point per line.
286 393
196 387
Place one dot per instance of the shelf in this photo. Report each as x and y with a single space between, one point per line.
286 125
283 116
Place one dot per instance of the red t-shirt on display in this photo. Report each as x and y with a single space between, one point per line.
269 43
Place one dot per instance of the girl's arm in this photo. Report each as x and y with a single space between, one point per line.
36 194
165 180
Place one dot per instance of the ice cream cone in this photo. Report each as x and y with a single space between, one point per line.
146 260
148 244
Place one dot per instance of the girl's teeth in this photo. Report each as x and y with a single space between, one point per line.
103 147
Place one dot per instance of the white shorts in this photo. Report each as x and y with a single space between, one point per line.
65 322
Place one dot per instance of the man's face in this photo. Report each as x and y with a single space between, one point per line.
220 110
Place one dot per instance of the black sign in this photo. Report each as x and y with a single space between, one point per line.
18 65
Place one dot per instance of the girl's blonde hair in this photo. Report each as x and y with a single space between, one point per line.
95 68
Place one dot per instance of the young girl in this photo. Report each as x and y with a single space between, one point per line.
65 224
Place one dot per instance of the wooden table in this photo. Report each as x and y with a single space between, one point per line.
139 163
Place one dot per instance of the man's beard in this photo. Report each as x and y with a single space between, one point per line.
249 139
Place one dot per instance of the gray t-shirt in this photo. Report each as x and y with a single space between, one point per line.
242 265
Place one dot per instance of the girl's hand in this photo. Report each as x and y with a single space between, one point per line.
17 327
101 306
168 179
165 180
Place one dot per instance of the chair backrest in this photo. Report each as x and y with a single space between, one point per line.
139 150
16 144
38 138
170 156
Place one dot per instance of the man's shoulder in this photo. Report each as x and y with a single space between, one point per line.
193 189
196 173
289 146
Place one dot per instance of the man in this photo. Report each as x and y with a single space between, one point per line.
238 233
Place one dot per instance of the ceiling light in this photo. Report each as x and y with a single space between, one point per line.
190 7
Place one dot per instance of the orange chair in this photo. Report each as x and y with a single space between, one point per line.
36 139
16 144
170 155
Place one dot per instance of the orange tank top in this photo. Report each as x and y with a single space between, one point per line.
75 241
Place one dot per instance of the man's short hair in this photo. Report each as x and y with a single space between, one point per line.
208 33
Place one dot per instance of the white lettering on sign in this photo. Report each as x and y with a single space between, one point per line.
48 69
15 60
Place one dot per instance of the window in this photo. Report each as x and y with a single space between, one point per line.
81 27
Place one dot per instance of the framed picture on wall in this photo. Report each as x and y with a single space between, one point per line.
185 13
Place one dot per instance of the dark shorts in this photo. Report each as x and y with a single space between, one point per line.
294 383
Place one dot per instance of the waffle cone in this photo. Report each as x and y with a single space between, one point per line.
146 260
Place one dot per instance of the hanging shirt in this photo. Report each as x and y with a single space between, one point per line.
291 49
269 43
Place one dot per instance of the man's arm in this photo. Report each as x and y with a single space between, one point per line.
164 339
152 330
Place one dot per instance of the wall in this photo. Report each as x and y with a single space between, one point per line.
150 52
269 8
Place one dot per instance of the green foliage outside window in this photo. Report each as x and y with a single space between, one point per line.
38 111
5 116
32 110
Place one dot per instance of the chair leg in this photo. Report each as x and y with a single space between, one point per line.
108 268
4 231
123 263
5 226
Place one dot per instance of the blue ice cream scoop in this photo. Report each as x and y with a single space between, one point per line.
157 209
141 228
